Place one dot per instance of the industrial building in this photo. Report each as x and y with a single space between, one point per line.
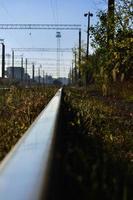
17 73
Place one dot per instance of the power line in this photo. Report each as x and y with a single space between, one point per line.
56 8
18 62
18 57
5 9
41 26
10 17
53 11
42 49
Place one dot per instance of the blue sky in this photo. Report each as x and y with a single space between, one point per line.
47 12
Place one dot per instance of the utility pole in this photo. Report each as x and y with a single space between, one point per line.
75 66
58 36
22 69
46 78
43 77
88 42
33 72
111 25
26 75
3 60
79 52
12 64
71 75
72 71
88 32
39 74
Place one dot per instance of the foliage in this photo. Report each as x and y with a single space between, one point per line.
115 55
112 41
96 148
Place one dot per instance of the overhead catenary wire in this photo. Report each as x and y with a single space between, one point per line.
9 15
53 11
2 5
57 10
40 26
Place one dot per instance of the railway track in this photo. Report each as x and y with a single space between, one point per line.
24 173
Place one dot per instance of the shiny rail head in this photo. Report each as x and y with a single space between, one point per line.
24 173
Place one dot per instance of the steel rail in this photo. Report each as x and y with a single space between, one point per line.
24 173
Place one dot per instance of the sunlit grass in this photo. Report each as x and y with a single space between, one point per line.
18 109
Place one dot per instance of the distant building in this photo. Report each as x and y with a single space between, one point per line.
18 72
47 79
64 80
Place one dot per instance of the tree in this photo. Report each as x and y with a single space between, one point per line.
115 48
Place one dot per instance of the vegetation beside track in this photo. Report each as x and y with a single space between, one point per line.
18 109
96 147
